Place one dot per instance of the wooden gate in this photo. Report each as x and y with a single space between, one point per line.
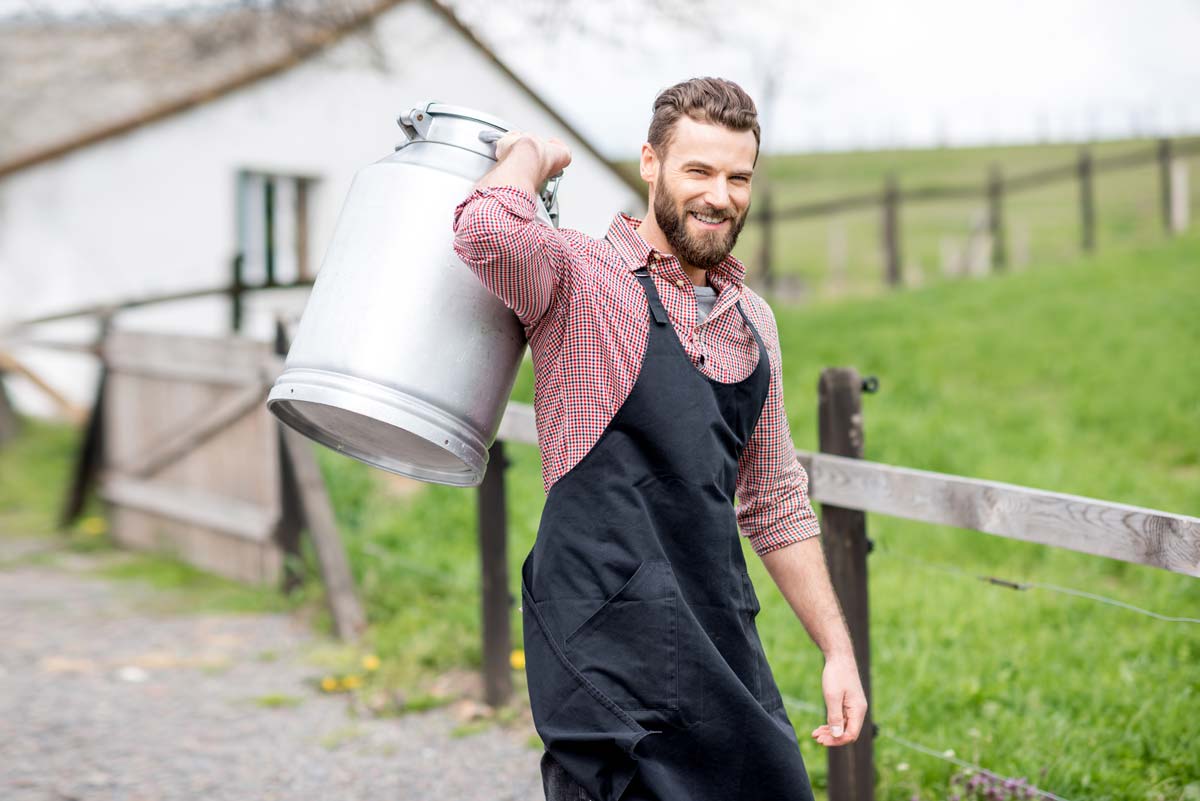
191 454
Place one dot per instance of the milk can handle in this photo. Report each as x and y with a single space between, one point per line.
549 193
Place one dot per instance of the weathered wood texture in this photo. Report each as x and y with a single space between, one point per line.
9 364
844 537
996 217
89 459
1103 528
349 620
206 426
890 233
306 505
177 480
493 561
108 309
1087 201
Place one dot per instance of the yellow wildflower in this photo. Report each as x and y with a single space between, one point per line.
517 659
329 684
351 682
93 526
370 662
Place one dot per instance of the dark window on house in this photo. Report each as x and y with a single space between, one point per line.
273 227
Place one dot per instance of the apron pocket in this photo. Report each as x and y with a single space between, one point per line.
627 647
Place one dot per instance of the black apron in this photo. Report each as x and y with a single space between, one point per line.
647 678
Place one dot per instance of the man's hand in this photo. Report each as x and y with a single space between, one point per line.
845 703
536 158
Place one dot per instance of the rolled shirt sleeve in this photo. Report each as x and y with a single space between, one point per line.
774 509
518 257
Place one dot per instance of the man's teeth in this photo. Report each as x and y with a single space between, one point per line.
709 220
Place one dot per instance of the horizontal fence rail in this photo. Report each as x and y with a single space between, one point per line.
987 239
102 310
1101 528
1034 179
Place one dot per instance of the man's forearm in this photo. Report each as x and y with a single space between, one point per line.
799 571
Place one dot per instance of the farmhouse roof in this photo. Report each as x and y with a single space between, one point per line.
72 83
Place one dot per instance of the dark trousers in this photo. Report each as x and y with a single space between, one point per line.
558 784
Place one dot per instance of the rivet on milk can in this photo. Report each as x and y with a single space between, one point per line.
402 358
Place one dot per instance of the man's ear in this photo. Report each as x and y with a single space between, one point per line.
649 163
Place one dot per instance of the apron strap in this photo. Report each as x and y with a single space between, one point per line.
750 325
656 307
643 277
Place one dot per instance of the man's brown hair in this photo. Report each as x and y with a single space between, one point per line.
711 100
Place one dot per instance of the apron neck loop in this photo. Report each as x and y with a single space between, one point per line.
656 307
643 277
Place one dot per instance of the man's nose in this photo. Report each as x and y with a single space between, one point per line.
717 195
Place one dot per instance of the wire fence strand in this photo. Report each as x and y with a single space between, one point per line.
962 763
943 755
1033 585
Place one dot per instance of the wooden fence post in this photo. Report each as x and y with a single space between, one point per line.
89 459
1087 201
891 231
1164 181
237 290
349 619
497 602
290 527
269 213
844 536
306 503
767 223
996 217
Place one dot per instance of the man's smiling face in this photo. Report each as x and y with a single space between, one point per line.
701 190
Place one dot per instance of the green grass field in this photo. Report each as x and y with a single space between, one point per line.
1074 375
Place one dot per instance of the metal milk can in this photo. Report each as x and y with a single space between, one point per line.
402 358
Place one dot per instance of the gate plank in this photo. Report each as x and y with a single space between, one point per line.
183 442
231 516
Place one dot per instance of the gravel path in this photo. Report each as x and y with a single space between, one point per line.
102 699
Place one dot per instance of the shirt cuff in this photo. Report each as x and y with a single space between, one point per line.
799 528
513 199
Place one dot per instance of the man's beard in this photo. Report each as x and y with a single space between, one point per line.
705 250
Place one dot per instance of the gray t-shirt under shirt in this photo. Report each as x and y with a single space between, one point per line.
706 296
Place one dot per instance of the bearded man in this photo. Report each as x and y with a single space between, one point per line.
659 400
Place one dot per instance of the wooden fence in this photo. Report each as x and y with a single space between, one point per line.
993 190
179 444
848 487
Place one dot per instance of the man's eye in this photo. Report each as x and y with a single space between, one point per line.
696 171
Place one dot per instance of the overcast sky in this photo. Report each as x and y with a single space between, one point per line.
866 73
863 73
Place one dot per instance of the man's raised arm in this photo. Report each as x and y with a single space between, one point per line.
498 235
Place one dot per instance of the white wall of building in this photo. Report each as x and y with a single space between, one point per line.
154 210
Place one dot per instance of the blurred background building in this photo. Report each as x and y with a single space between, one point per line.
142 156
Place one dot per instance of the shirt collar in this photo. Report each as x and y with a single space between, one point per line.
636 251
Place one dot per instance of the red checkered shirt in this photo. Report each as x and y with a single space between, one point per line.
585 316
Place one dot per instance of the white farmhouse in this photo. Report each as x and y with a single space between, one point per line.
140 158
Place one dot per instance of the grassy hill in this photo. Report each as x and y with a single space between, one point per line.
1073 378
1042 224
1078 377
